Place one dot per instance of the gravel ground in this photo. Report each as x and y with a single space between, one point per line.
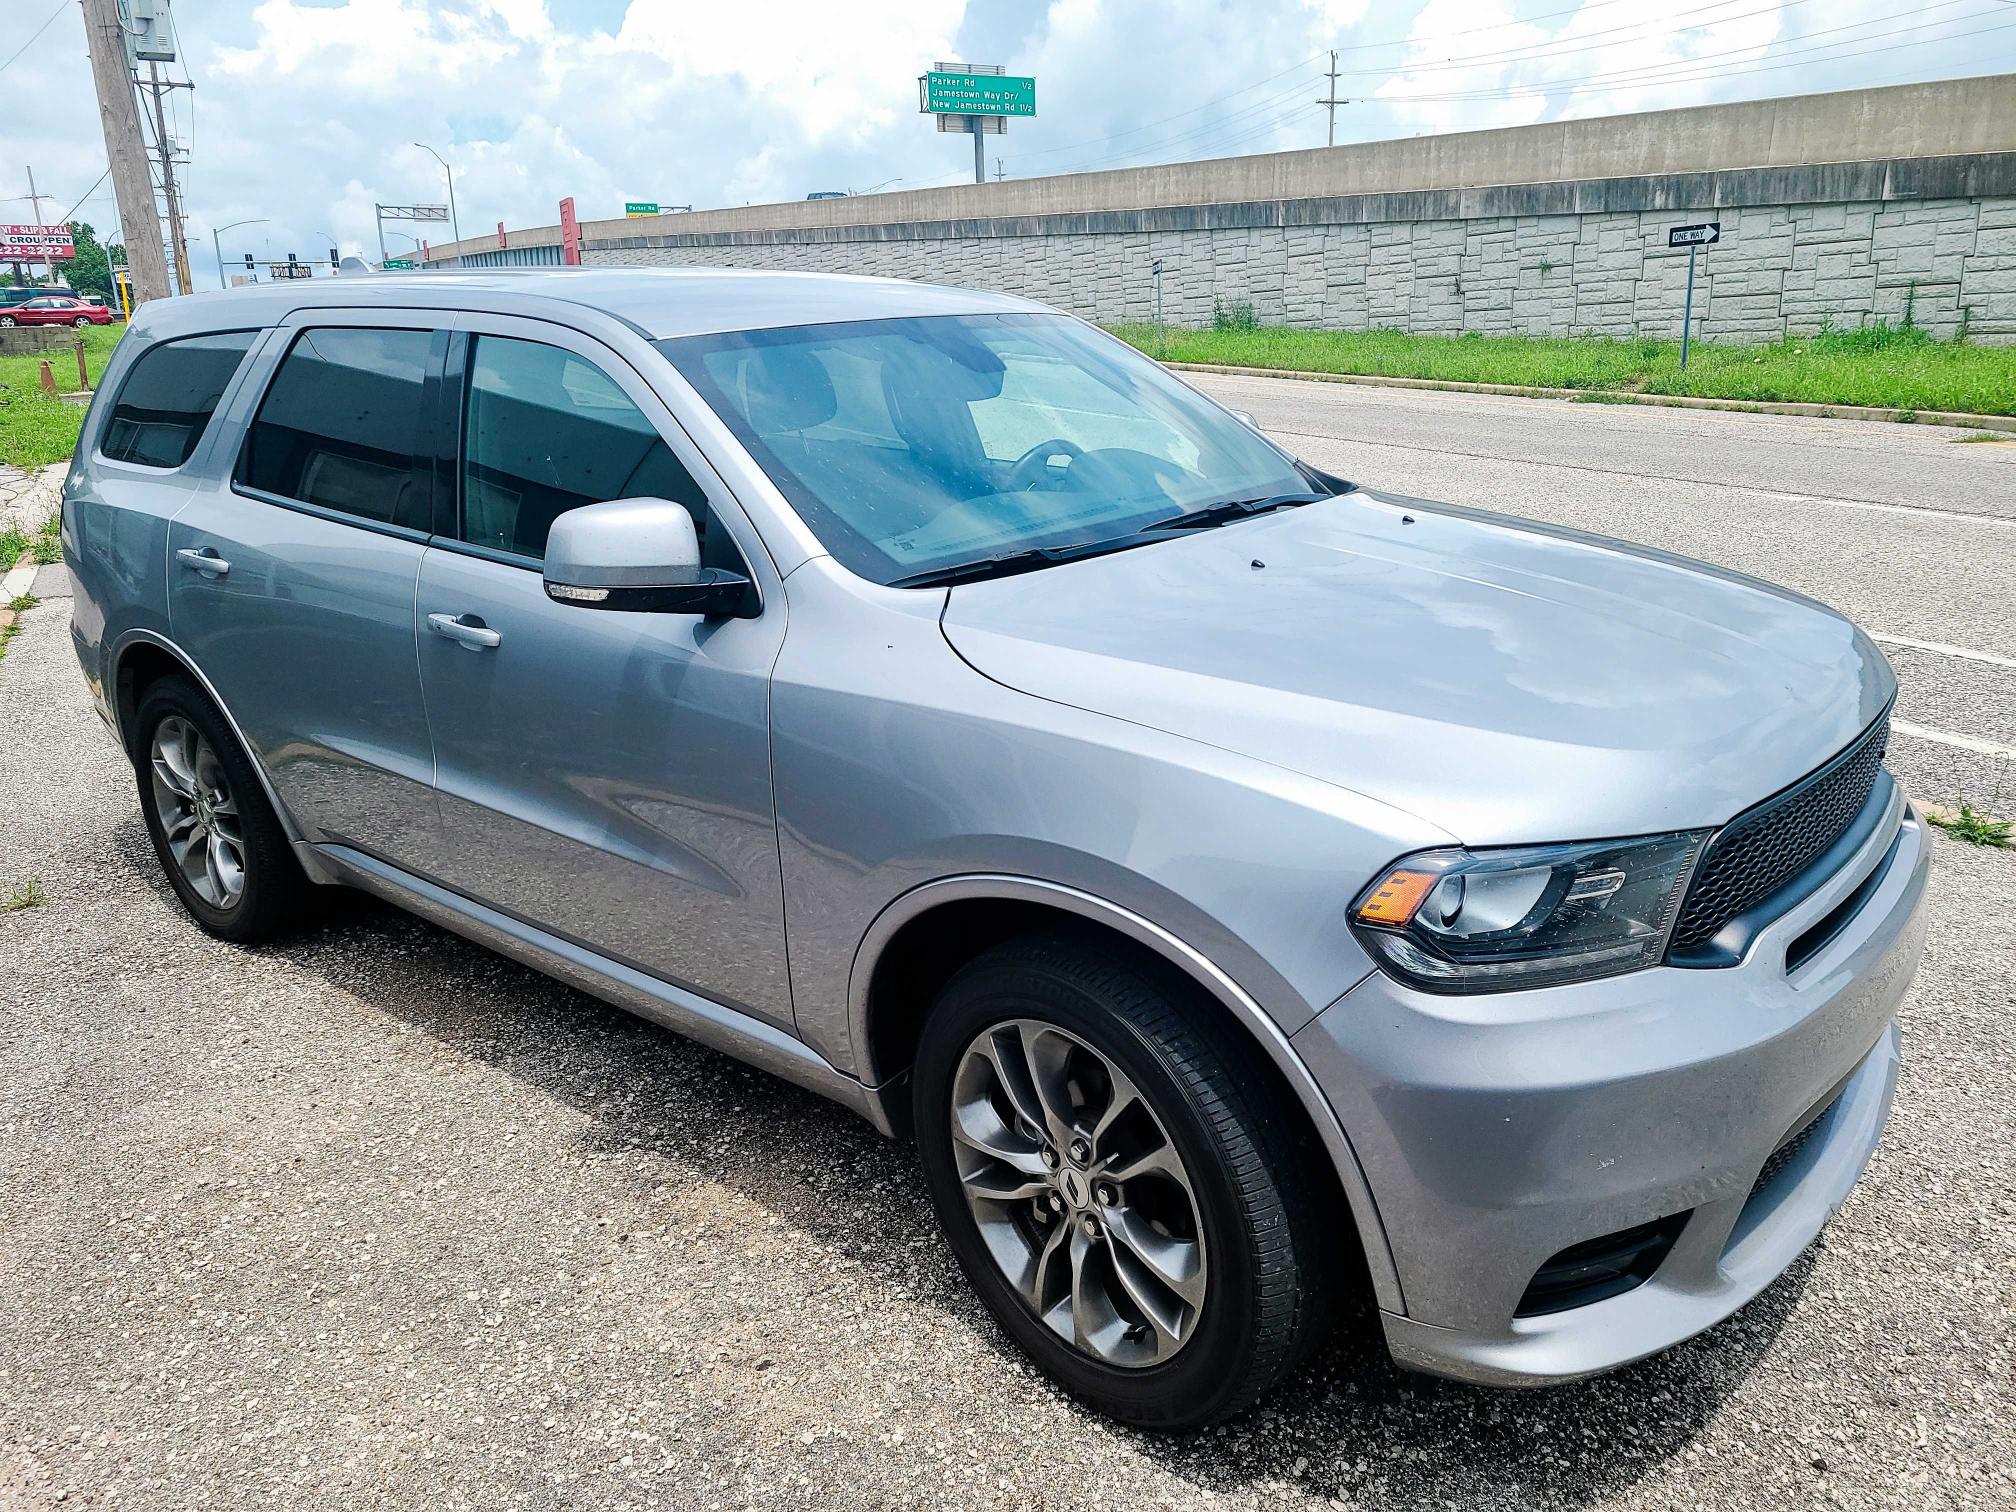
375 1218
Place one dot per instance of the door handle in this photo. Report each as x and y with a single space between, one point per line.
205 561
459 628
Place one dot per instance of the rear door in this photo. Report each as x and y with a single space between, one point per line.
292 577
602 774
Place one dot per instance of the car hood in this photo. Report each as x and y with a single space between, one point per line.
1506 681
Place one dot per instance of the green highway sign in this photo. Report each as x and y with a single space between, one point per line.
634 208
977 94
397 264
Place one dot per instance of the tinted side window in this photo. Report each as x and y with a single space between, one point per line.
344 424
169 397
547 431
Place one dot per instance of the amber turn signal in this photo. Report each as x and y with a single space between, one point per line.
1394 901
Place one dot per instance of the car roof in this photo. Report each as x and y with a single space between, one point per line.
658 302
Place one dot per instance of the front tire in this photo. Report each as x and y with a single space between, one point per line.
1097 1151
216 836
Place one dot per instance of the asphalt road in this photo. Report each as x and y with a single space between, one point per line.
376 1219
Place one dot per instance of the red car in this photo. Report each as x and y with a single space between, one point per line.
56 309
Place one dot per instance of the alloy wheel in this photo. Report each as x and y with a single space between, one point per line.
198 812
1080 1195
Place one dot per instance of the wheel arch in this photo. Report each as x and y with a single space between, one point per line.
922 937
144 657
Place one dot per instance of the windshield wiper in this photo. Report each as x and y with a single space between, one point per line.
1007 563
1231 509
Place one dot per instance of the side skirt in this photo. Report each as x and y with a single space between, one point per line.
688 1013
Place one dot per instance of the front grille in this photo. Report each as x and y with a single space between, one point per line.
1762 849
1783 1155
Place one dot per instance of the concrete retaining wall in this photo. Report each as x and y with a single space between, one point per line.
1837 208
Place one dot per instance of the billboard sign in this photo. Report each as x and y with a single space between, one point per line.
981 94
36 244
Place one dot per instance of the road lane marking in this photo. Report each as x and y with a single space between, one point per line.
1723 485
1940 647
1953 738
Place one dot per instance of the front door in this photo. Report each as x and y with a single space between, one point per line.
602 774
292 576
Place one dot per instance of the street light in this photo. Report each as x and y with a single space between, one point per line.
453 219
216 247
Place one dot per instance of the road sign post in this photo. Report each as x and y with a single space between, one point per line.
1693 238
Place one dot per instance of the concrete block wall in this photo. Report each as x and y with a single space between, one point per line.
1835 208
1779 270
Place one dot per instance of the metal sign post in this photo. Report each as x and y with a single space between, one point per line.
1693 238
1161 340
976 98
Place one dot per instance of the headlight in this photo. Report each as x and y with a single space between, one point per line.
1531 916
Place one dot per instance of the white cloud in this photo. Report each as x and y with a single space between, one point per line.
304 109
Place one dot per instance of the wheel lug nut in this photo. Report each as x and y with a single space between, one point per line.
1056 1203
1091 1227
1049 1157
1107 1195
1080 1151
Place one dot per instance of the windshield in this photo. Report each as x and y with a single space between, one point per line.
915 444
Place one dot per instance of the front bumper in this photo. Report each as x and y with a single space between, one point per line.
1497 1131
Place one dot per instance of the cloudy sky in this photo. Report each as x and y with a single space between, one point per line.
304 111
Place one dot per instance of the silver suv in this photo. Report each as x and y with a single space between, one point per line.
1247 888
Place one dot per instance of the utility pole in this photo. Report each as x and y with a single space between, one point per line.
1000 173
119 115
1331 99
177 240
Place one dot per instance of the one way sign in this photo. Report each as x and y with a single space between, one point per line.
1706 234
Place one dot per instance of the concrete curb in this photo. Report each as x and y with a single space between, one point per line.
1617 396
19 581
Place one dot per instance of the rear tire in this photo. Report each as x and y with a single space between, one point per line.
217 838
81 321
1202 1288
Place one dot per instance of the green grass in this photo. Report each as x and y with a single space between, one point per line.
44 544
1883 366
1973 826
12 628
35 429
29 894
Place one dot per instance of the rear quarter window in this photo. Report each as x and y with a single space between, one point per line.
168 398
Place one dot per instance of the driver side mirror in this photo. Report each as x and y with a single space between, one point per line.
636 554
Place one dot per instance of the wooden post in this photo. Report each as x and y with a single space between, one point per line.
83 373
48 379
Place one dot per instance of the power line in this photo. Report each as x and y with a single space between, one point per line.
1684 70
60 4
1543 51
1165 120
